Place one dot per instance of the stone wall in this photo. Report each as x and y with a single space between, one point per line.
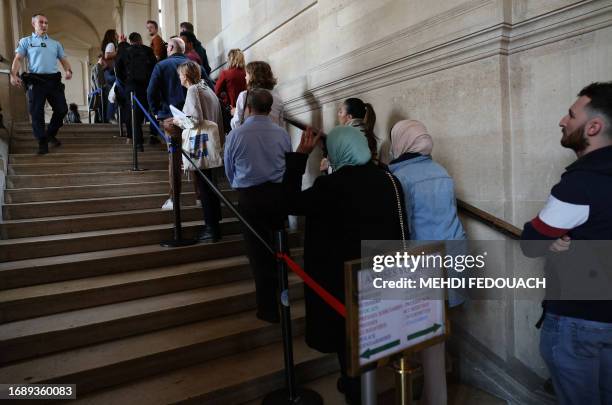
490 79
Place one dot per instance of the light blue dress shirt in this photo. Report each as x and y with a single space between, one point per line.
42 53
255 152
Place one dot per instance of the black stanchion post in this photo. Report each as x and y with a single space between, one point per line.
103 117
133 123
175 172
120 120
290 394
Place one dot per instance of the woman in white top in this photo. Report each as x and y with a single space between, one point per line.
258 75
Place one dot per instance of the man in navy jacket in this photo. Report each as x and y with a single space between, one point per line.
165 87
576 337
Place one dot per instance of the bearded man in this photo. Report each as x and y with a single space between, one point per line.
576 336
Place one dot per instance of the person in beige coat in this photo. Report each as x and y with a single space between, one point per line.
202 124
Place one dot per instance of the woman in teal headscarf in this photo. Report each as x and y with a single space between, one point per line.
358 201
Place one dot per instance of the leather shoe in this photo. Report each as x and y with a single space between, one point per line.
43 147
210 234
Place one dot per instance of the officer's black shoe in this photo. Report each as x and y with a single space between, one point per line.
43 147
210 234
53 141
140 148
153 140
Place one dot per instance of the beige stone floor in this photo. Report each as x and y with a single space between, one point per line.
458 394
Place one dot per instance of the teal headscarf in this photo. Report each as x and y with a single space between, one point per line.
347 146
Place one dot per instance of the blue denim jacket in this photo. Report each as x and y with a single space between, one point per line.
429 193
431 208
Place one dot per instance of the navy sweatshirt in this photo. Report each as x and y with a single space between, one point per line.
579 206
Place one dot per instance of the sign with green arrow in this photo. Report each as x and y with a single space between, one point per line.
370 352
423 332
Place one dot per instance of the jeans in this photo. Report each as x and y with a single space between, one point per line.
578 354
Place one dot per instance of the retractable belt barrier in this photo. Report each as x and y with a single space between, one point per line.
291 394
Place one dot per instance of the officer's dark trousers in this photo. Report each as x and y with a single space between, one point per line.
263 207
47 88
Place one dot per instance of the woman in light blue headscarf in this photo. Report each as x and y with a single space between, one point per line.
358 201
346 146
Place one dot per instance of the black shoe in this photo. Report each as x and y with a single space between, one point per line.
153 140
140 148
53 141
210 234
43 147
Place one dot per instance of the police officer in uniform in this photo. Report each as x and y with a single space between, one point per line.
43 81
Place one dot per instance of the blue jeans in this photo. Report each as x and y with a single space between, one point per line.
578 354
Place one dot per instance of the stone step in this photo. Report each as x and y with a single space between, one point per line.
75 148
72 141
84 127
159 163
23 228
25 195
61 180
85 157
229 380
68 330
122 361
45 299
82 265
110 177
50 298
30 272
90 205
83 242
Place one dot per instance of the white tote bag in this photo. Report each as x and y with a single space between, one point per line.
203 146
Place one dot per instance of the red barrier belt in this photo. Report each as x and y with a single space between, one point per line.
321 292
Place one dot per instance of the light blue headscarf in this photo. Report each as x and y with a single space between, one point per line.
347 146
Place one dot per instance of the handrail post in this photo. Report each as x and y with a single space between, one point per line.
175 172
133 123
290 394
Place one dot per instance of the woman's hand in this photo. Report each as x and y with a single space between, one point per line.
233 111
324 166
560 245
176 122
122 38
309 140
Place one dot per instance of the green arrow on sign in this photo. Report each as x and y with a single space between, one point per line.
371 352
424 332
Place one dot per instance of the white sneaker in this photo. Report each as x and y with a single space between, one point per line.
168 205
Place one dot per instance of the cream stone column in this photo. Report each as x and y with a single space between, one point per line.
207 19
134 17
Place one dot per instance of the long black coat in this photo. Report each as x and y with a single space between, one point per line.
353 204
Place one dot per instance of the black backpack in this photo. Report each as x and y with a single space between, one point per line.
139 64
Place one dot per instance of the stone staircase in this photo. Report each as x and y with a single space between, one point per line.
88 297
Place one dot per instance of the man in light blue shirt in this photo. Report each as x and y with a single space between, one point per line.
255 165
43 81
255 152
